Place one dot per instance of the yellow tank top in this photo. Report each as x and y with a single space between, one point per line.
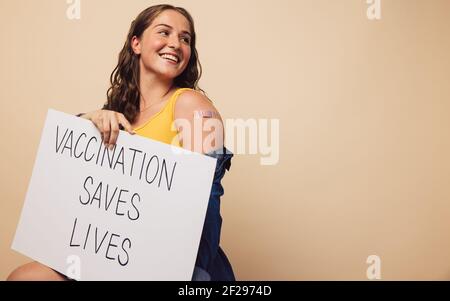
159 127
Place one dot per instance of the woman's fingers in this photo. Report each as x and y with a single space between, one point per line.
107 122
106 130
114 132
124 122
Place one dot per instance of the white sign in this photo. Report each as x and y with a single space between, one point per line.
132 213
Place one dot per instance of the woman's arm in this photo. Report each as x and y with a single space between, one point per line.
199 123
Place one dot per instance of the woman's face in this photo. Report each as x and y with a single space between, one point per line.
165 45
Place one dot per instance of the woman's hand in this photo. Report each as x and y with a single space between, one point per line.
107 122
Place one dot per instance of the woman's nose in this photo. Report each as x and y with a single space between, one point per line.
174 42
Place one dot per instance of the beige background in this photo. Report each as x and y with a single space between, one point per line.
363 106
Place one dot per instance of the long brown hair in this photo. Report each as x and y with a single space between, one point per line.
124 94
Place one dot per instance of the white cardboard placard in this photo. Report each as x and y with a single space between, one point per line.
132 213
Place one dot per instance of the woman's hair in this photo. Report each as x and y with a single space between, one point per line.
124 94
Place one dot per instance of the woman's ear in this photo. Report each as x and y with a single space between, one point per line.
136 45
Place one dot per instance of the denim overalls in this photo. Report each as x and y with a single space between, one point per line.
212 263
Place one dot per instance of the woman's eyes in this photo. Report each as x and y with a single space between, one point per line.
166 33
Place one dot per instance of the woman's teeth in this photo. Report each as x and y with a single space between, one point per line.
170 57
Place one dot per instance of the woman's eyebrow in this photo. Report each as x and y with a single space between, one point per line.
184 31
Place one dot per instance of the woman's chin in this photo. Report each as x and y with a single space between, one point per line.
168 74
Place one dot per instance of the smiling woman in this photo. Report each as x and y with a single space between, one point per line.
155 84
158 57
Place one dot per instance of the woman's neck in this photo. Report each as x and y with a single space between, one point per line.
153 89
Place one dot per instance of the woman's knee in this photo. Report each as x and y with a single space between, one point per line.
34 271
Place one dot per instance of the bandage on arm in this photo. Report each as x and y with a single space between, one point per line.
206 114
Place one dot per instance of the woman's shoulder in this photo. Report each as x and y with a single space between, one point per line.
191 97
190 101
